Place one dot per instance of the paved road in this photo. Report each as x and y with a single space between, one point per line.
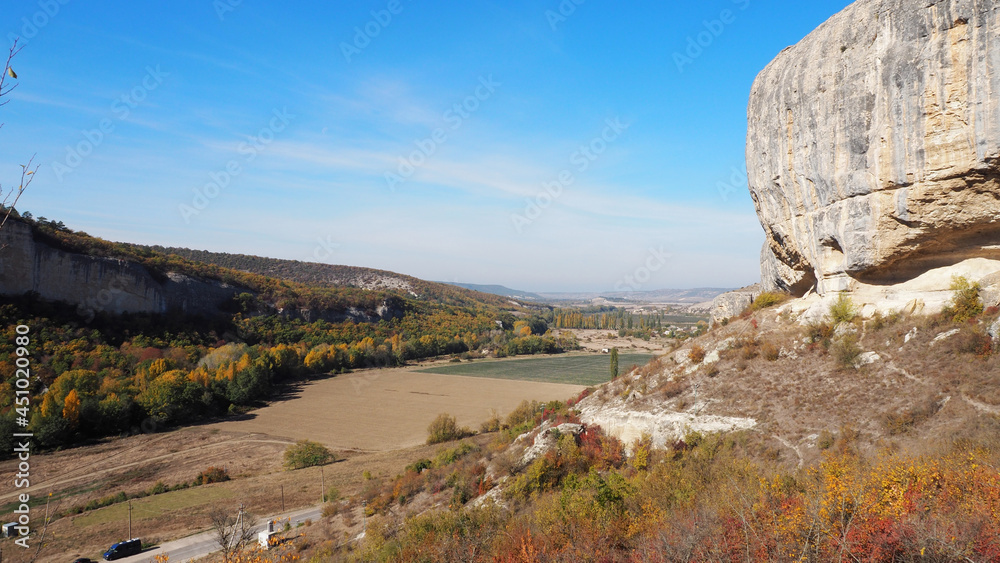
200 545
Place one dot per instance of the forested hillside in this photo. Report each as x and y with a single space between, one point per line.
329 275
106 374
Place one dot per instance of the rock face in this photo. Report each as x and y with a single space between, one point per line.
103 285
873 145
731 304
96 285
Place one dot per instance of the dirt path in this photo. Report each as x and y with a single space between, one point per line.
90 473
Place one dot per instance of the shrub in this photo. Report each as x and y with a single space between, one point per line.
846 351
748 347
306 453
880 321
492 424
820 333
673 388
524 413
449 456
445 428
212 475
419 465
973 340
826 440
965 303
768 299
902 421
696 354
332 494
843 310
770 352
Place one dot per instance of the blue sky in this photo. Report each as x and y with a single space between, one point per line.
542 145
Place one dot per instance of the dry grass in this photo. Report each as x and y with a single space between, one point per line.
673 388
893 402
696 354
391 409
384 411
904 420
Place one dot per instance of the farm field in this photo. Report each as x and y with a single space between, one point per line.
78 475
389 409
583 370
375 420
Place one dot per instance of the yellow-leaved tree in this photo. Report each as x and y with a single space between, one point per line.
71 408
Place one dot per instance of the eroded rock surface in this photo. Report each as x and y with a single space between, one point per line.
873 144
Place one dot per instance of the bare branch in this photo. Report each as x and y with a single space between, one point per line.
27 177
14 50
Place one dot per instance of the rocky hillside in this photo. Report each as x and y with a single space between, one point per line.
873 147
330 275
903 379
30 263
95 276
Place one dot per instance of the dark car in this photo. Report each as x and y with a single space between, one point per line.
83 560
124 549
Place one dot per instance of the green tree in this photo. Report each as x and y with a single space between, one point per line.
445 428
843 310
306 453
614 364
965 303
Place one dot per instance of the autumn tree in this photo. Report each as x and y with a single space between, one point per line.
71 408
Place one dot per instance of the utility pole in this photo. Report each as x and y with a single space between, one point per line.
130 519
282 501
236 528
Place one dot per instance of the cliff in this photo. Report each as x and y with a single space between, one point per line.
94 284
872 146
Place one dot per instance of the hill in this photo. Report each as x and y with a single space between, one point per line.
672 296
327 275
500 290
124 336
768 439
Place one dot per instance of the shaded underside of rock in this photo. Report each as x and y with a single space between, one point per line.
872 145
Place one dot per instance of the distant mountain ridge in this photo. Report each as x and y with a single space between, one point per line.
499 290
681 296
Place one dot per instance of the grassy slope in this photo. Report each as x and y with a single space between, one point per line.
573 370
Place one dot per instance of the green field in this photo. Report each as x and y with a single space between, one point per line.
155 506
574 370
